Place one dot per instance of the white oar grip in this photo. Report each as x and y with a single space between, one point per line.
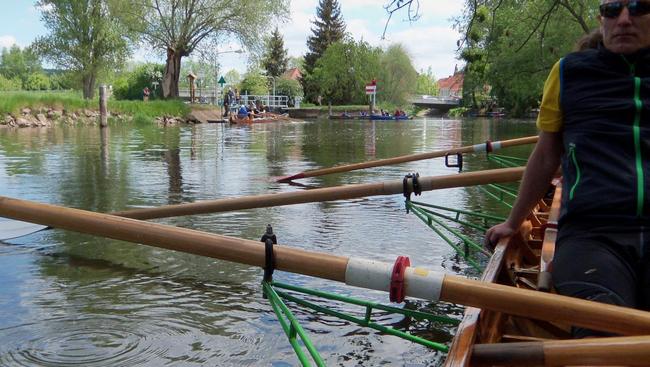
423 283
370 274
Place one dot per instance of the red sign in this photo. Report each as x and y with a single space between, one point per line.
371 89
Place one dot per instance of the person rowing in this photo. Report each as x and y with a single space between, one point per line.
595 121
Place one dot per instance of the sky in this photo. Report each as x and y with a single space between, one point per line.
430 41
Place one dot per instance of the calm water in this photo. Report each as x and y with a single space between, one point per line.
72 299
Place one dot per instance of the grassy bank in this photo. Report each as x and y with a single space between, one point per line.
14 102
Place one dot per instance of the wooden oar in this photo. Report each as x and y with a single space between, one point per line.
485 147
327 194
615 351
417 282
310 196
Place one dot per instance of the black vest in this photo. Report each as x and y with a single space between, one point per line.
605 100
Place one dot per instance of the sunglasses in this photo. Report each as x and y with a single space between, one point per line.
635 8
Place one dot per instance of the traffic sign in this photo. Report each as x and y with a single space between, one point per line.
222 81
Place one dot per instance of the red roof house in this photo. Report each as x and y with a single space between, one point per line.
451 86
293 73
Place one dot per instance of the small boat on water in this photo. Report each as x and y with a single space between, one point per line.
259 118
389 117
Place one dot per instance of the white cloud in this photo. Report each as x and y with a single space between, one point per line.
7 41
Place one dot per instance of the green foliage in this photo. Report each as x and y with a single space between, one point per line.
254 83
329 28
343 71
85 37
61 80
19 64
232 77
275 59
288 87
397 78
426 83
37 81
131 84
10 84
458 111
511 45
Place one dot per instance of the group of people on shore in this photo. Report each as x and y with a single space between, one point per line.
233 104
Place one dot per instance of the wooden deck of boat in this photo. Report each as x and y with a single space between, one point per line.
518 263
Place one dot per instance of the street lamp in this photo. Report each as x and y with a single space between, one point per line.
273 80
216 70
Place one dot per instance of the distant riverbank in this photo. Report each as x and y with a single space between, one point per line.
24 109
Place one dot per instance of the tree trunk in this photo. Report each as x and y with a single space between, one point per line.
172 73
89 85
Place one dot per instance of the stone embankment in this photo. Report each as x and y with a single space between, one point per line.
47 117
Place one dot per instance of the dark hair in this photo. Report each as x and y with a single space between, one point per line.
589 40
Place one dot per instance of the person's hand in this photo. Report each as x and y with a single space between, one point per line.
494 234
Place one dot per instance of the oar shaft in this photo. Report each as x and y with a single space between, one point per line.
419 283
546 306
620 351
174 238
325 194
408 158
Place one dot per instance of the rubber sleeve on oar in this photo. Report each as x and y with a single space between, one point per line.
371 274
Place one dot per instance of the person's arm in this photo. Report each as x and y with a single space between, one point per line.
542 165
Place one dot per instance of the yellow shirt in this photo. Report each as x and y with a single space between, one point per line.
550 114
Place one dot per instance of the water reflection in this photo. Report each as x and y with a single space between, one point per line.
76 299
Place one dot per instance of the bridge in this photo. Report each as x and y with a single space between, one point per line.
442 104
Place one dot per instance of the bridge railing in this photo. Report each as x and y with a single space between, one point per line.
424 99
216 98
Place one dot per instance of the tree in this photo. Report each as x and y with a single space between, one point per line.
19 64
254 83
511 45
131 84
85 37
397 79
275 59
344 69
426 83
179 27
37 81
330 28
288 87
232 77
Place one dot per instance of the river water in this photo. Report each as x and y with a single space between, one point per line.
73 299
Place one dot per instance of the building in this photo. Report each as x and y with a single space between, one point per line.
452 86
293 74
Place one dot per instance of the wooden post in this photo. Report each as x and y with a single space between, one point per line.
103 111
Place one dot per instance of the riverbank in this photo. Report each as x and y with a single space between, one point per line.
43 109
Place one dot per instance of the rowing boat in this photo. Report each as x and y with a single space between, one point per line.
521 261
260 118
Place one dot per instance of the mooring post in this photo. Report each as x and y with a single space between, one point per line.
103 111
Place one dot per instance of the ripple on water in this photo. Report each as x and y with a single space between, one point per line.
91 340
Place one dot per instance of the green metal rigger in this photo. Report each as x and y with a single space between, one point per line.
299 339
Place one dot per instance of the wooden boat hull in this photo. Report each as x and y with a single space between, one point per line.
515 262
263 118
